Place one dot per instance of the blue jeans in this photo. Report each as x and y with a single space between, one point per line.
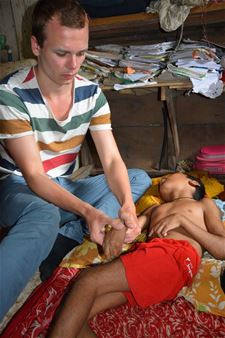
34 225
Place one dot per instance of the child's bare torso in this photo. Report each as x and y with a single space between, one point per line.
191 209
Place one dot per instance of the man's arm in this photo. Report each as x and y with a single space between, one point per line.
25 153
216 244
117 177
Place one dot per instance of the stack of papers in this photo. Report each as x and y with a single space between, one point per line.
201 64
124 65
121 66
196 73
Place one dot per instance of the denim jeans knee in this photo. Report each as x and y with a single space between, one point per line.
33 227
140 181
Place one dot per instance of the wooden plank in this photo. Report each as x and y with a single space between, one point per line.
21 11
17 13
122 20
173 121
210 7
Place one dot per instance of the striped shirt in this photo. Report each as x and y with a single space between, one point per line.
24 111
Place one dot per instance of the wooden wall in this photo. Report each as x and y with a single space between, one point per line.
7 26
204 21
16 25
137 122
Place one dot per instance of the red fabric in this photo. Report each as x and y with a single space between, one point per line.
211 167
157 270
215 152
174 319
36 314
177 319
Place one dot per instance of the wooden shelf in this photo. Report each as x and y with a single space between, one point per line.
142 26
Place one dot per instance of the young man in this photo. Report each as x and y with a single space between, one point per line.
45 113
155 271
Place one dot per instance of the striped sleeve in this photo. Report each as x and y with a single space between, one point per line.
101 118
14 117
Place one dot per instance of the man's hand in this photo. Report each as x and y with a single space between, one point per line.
166 224
113 242
129 218
96 221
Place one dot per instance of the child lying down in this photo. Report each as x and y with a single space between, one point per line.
179 230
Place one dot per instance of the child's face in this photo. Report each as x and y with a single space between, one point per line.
172 182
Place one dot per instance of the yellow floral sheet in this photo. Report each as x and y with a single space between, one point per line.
205 293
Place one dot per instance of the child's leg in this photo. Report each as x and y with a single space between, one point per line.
96 289
102 303
86 332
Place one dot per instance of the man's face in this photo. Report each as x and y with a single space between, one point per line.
62 53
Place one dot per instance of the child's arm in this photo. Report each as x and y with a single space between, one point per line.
212 239
114 239
113 242
144 218
215 245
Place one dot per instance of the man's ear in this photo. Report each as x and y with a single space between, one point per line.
35 46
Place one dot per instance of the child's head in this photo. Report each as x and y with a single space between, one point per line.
181 185
199 192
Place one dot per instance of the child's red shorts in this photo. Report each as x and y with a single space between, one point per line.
157 270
